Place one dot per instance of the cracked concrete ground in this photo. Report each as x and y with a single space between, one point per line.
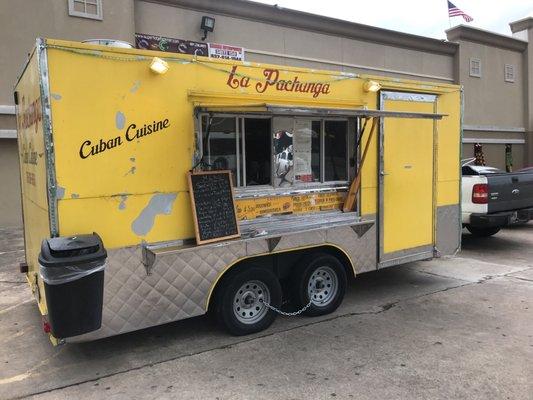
459 328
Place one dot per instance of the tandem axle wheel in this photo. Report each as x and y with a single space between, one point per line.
249 299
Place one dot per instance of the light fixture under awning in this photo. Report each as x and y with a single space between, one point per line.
276 109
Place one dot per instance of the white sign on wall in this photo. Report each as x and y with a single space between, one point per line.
225 51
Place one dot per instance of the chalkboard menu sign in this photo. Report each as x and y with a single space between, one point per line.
215 217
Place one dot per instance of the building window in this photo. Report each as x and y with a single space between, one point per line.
509 73
475 67
86 9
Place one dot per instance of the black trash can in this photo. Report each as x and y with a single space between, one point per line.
72 269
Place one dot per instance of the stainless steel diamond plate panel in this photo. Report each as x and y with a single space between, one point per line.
448 229
301 239
361 250
181 278
256 246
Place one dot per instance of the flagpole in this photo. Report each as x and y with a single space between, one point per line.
449 19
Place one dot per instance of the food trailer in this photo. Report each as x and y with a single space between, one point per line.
160 186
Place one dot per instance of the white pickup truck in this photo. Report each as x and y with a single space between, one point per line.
492 198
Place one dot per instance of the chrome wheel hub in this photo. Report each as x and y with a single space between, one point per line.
249 302
322 286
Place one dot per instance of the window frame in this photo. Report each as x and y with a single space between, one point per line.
242 138
471 69
347 150
240 146
511 77
99 16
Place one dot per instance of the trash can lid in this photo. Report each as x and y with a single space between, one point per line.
72 250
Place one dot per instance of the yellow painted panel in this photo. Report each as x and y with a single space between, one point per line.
448 193
101 97
105 121
408 185
96 160
31 149
128 219
36 229
369 200
369 181
448 149
30 136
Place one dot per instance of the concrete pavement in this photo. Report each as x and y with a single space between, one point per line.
448 328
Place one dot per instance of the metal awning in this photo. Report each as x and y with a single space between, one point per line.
276 109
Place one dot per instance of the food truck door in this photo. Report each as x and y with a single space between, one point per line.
406 177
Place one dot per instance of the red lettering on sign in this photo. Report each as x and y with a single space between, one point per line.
234 82
272 80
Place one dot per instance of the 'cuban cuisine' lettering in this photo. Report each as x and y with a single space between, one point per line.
88 148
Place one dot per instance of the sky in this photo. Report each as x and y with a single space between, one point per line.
420 17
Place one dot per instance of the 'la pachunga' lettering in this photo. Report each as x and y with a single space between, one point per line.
132 132
272 80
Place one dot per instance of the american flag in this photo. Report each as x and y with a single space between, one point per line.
453 11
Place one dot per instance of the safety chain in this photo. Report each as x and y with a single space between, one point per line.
287 314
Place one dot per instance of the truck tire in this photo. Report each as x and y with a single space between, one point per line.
240 307
482 232
321 279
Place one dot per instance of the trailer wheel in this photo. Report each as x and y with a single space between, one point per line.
320 279
240 307
482 232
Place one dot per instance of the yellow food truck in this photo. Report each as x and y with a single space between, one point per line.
331 174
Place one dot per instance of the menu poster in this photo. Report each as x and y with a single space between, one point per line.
302 148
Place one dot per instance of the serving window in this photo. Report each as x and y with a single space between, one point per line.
241 145
278 152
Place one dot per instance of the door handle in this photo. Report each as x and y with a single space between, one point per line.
383 173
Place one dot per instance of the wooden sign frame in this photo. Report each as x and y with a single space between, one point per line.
193 206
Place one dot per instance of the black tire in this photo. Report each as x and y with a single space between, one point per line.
482 232
263 286
314 269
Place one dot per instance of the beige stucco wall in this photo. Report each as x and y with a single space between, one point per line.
489 100
10 211
523 29
494 154
158 19
7 121
528 63
22 21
